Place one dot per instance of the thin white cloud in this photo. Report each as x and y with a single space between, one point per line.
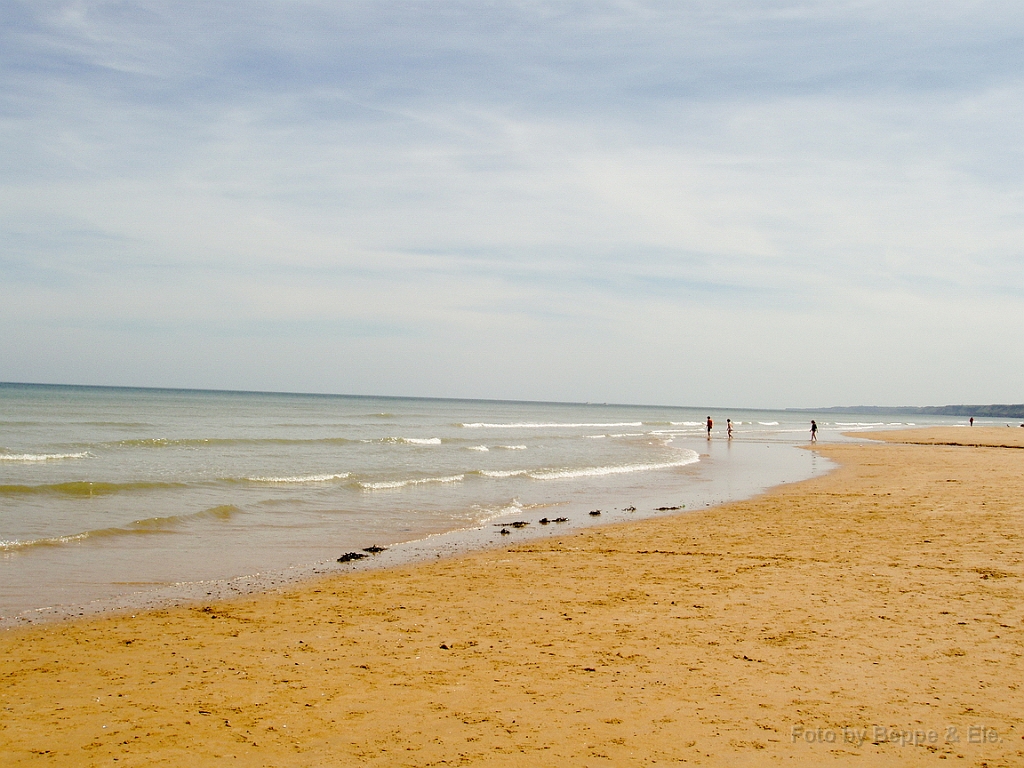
738 182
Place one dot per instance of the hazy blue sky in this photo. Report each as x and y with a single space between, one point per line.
708 203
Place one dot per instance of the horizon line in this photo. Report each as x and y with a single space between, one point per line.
286 393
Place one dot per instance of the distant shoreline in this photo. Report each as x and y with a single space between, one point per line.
978 411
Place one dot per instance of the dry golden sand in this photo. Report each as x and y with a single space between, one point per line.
975 437
887 594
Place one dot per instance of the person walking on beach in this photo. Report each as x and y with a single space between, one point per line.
814 431
709 426
972 421
728 427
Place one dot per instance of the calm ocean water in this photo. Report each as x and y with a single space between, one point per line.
107 492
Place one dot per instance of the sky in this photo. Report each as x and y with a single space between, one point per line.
701 202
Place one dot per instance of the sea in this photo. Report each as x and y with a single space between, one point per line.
116 498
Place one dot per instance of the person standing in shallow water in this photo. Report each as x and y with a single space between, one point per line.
814 431
710 424
728 428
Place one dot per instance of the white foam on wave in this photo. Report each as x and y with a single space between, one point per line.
481 448
492 513
502 473
405 440
15 544
512 447
299 479
548 425
685 423
392 484
33 457
768 423
691 457
859 424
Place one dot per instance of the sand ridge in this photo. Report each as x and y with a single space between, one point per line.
870 616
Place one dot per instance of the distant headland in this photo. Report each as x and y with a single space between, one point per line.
993 411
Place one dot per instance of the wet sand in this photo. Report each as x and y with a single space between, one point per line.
870 616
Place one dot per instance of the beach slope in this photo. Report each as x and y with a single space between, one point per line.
869 617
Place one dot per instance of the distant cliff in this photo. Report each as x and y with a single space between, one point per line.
991 411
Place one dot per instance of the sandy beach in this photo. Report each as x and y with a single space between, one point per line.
873 616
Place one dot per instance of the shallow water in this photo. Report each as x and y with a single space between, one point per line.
108 492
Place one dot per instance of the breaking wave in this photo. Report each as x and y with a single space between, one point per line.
550 425
298 480
690 457
388 485
152 525
34 457
405 440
